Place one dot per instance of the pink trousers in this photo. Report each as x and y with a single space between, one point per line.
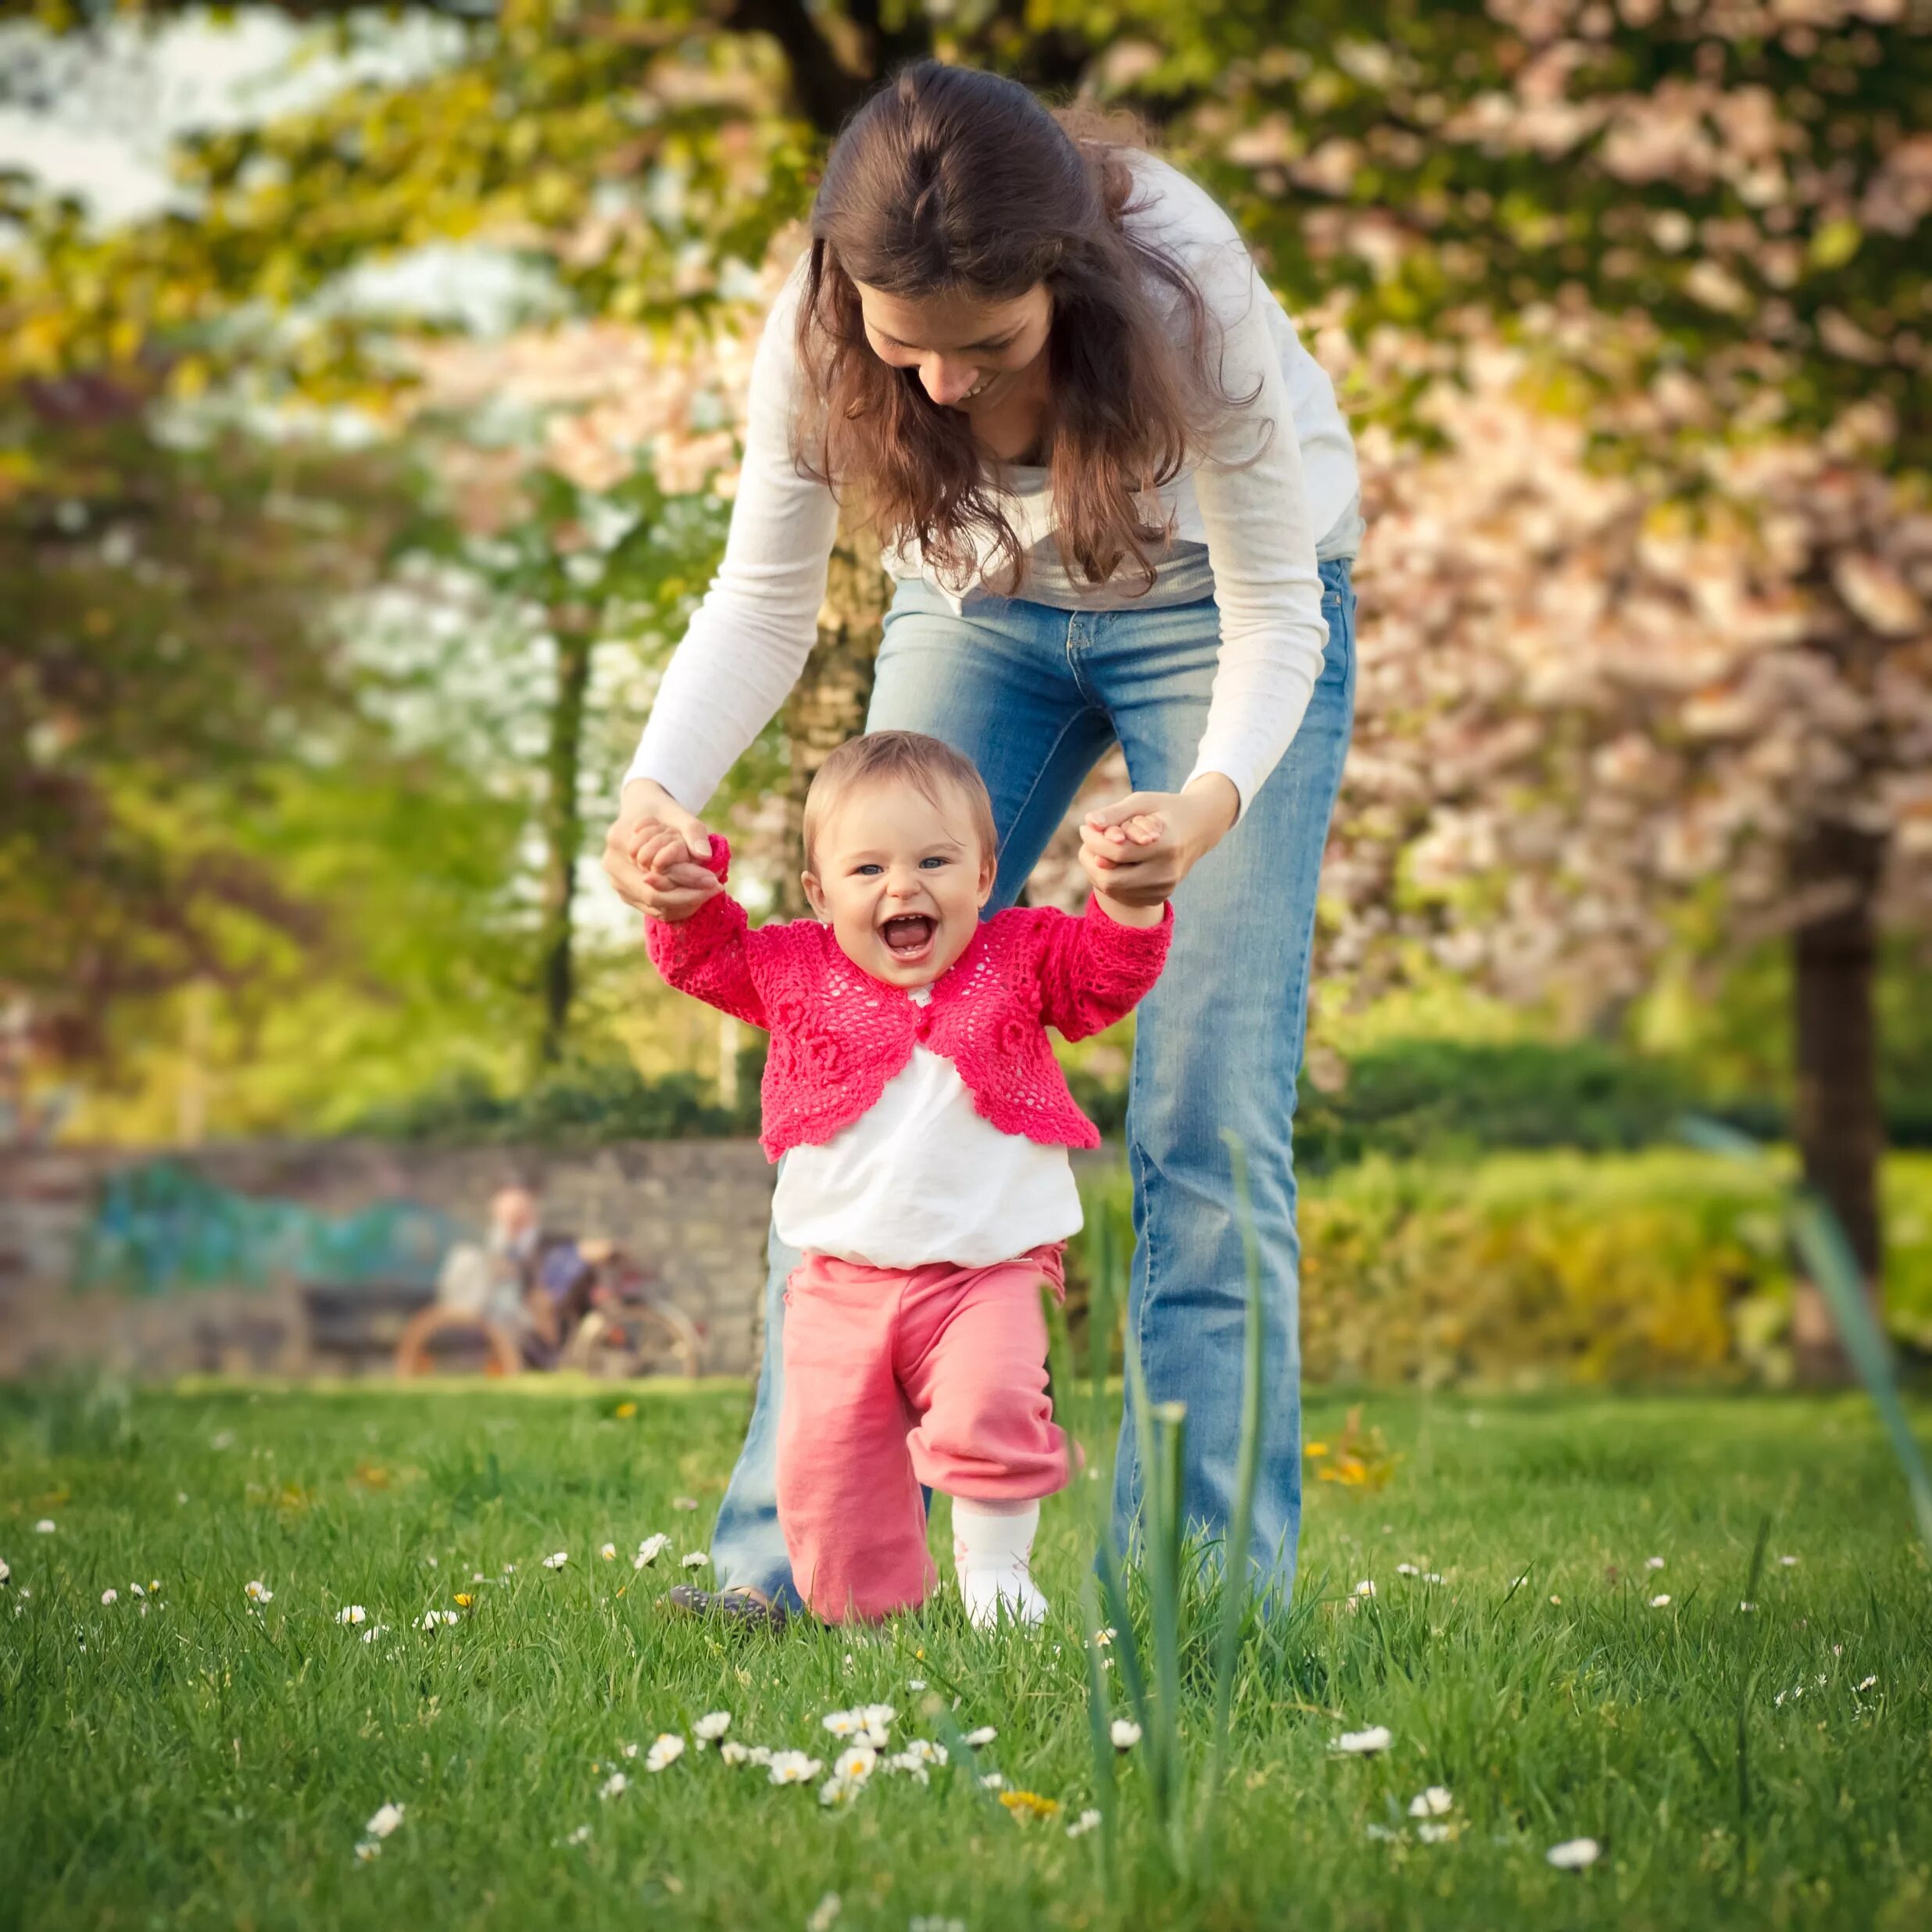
894 1377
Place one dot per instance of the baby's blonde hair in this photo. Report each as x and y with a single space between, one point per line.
912 758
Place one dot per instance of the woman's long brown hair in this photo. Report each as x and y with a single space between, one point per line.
952 181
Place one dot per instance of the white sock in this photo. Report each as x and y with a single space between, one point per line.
993 1544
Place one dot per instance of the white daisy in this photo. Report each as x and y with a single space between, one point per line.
650 1550
992 1781
1866 1683
696 1559
1363 1743
1436 1802
45 1527
134 1589
352 1613
1365 1588
385 1822
1435 1834
609 1552
836 1791
1407 1569
1653 1562
1787 1562
580 1835
367 1848
256 1591
1083 1824
1661 1600
110 1596
614 1786
912 1684
823 1914
1574 1854
667 1750
793 1767
374 1631
980 1738
732 1751
1125 1734
711 1727
556 1560
855 1764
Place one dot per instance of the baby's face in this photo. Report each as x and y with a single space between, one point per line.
901 881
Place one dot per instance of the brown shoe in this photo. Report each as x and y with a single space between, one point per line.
742 1606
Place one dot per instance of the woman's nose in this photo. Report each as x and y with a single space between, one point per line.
947 382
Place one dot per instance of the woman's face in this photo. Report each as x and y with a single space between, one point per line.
970 356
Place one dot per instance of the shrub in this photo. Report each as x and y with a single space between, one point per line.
1660 1265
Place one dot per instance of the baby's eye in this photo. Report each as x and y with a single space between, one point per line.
869 870
929 865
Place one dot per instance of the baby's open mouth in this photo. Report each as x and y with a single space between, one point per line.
907 935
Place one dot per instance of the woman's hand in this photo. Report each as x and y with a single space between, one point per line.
1139 863
670 883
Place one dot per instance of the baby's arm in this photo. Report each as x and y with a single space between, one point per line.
707 953
1096 969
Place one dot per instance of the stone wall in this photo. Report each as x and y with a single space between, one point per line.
695 1211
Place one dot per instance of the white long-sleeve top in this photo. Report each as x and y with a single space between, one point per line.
1248 528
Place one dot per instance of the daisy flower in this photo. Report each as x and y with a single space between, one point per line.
580 1835
256 1591
732 1751
614 1786
1653 1562
711 1727
793 1767
1407 1569
1661 1600
1436 1802
697 1559
350 1613
1866 1683
1083 1824
45 1527
374 1631
1364 1743
436 1620
1125 1734
1573 1854
982 1738
1435 1834
556 1560
667 1750
650 1550
855 1763
385 1822
609 1552
110 1596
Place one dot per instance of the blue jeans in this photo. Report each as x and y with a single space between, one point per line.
1034 697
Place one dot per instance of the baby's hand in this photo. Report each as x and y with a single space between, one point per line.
663 857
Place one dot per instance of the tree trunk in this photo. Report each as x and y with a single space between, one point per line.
562 834
1837 1122
827 704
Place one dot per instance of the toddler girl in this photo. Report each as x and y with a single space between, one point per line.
926 1122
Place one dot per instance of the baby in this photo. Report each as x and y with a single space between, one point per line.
926 1124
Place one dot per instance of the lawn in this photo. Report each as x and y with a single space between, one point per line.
187 1757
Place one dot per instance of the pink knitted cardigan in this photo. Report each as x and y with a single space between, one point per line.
838 1034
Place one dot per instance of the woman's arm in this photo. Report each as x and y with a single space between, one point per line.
748 639
1261 545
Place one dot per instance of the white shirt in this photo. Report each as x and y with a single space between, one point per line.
1260 528
920 1176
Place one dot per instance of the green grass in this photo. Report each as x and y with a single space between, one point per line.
202 1766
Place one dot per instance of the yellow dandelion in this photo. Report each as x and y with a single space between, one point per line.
1024 1805
465 1600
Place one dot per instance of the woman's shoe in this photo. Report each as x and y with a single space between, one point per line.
742 1606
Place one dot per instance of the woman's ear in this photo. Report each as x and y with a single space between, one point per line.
815 894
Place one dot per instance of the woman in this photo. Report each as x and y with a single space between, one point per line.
1120 504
